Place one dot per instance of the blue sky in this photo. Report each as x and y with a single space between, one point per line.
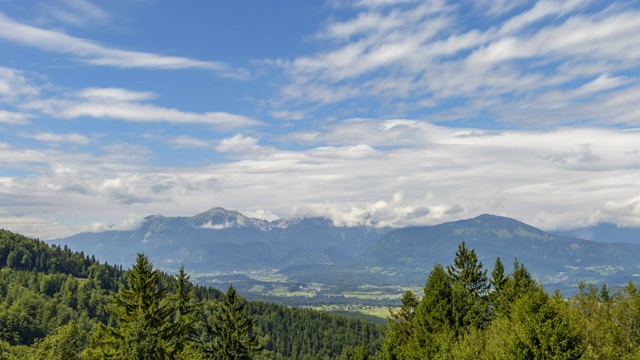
383 112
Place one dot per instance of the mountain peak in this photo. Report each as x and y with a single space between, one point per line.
218 211
496 220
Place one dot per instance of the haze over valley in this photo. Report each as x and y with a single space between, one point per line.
221 246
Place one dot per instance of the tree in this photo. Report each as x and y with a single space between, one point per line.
232 330
399 327
470 287
498 281
433 320
518 284
541 329
467 271
142 315
359 353
498 278
183 329
64 344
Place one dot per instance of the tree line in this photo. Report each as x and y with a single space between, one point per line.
58 304
466 314
70 306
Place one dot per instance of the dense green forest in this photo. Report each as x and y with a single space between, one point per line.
466 314
59 304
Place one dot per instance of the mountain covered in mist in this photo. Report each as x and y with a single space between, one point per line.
605 233
313 249
223 240
555 260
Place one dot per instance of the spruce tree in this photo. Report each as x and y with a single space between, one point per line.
518 283
498 281
185 317
467 271
541 329
232 329
142 315
399 327
433 320
498 278
469 289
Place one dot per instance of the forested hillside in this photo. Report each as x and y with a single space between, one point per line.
58 304
466 314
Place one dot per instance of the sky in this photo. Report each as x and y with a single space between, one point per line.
377 112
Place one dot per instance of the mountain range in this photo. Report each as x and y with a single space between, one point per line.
314 250
224 240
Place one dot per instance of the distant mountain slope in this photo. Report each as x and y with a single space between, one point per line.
311 248
607 233
223 240
555 260
73 286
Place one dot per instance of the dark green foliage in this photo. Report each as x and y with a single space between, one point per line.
454 319
38 304
540 329
20 253
467 271
498 278
142 316
64 344
359 353
399 327
184 329
308 334
232 330
47 312
517 284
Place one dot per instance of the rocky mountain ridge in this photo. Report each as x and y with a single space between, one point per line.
308 249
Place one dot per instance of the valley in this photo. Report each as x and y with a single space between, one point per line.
311 262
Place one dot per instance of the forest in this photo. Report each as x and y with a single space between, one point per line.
59 304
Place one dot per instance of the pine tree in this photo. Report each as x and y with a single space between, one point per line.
518 283
142 315
433 320
498 281
469 286
498 278
541 329
185 319
399 327
232 329
467 271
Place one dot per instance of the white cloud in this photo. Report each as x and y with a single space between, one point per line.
496 7
96 54
14 85
348 152
58 138
601 83
539 11
9 117
242 145
401 58
188 141
393 70
395 172
117 94
81 13
131 223
126 105
222 226
288 114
